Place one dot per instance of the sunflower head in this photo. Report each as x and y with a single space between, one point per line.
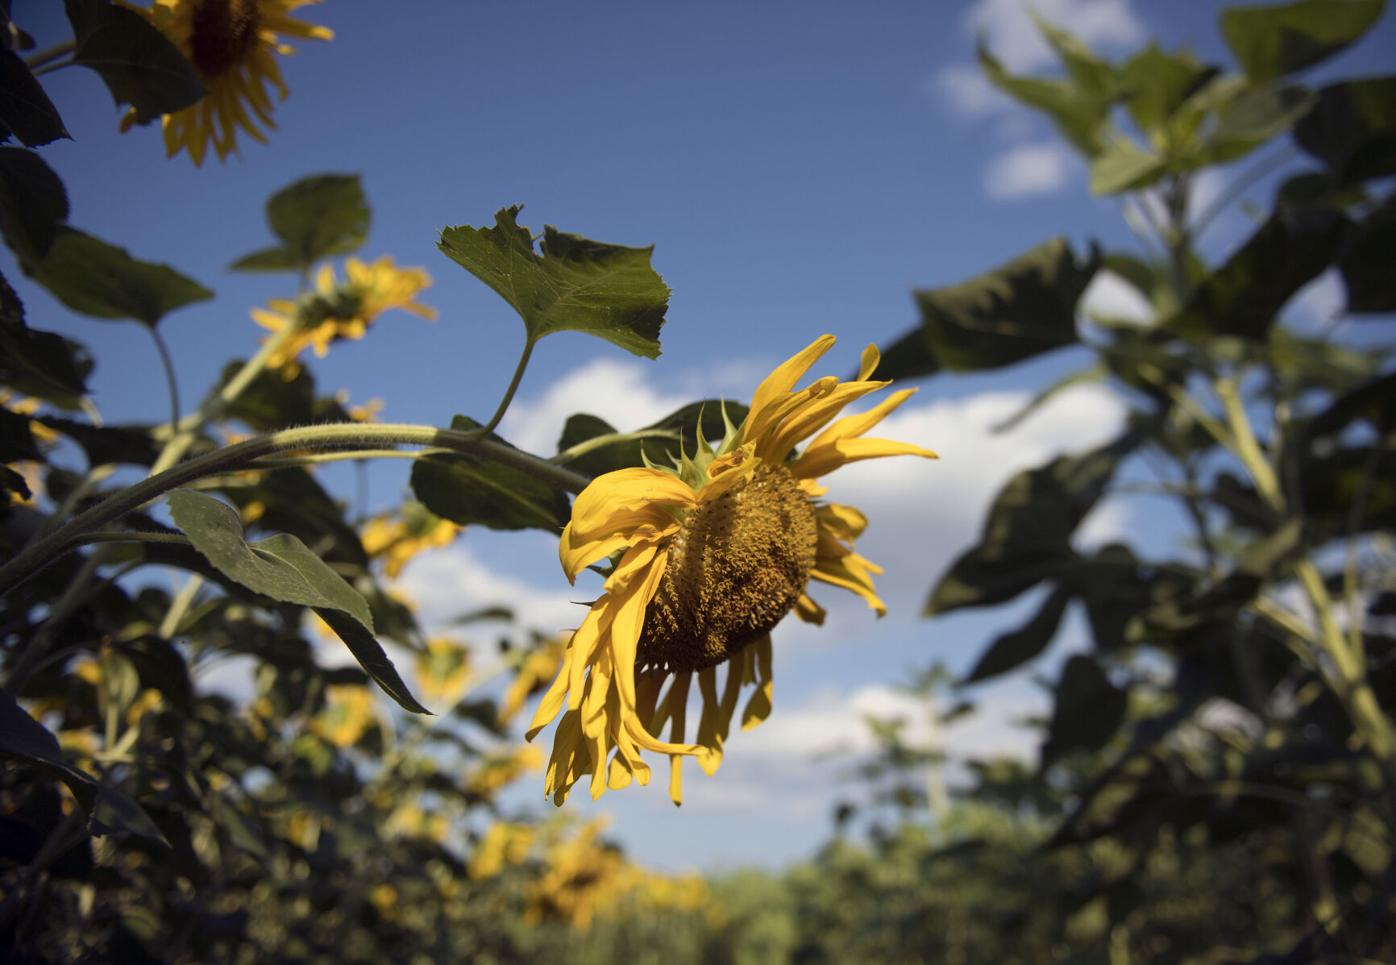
221 34
233 45
708 556
337 310
736 566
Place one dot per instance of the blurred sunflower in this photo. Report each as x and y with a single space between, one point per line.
398 540
443 671
232 45
532 676
338 310
711 555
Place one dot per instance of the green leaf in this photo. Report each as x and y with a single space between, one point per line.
293 501
1087 71
473 490
1366 262
1078 112
315 217
138 63
1253 117
1088 710
1244 296
104 281
280 567
1017 647
660 442
1157 83
1027 535
575 285
25 110
267 259
1122 166
23 738
39 363
272 401
1352 129
16 437
1018 310
369 653
1270 41
129 445
33 204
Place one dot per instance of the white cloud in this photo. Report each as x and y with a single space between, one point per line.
1110 296
1027 170
445 583
967 91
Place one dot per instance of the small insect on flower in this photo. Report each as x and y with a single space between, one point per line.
712 554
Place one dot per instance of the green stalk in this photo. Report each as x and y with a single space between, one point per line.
503 407
1351 684
330 436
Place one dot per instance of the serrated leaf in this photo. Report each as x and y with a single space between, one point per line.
369 653
104 281
472 490
1245 295
1087 712
1352 129
1278 39
280 567
1020 309
25 110
576 284
1013 649
315 217
33 204
138 63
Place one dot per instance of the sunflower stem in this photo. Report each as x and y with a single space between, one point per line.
171 380
329 436
45 57
488 427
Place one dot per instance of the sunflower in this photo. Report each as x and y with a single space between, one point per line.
232 45
338 310
709 556
443 671
397 541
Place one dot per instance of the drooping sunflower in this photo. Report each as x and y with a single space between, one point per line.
709 556
233 45
339 310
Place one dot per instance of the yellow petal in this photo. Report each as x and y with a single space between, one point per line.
819 460
783 379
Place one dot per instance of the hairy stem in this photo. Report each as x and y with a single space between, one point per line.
330 436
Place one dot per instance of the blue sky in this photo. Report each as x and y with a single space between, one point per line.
799 168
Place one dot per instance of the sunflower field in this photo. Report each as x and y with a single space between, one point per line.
231 729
